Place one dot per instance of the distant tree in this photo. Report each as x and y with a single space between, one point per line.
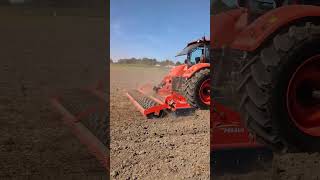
178 63
146 61
166 62
111 61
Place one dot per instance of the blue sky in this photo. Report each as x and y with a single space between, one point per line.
156 28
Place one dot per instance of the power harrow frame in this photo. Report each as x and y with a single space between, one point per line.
157 105
79 115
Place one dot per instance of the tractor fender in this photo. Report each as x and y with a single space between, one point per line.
260 30
178 70
174 72
225 27
195 68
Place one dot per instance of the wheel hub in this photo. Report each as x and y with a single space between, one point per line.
205 92
303 96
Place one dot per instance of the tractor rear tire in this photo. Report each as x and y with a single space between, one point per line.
264 86
193 87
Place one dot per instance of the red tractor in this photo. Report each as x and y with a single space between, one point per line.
266 60
186 87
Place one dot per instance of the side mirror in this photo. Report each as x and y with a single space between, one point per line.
187 62
242 3
260 7
197 59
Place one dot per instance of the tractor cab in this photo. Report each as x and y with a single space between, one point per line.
196 51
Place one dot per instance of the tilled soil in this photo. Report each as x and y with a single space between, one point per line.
42 55
177 148
297 166
168 148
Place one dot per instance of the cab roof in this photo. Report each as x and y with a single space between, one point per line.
194 44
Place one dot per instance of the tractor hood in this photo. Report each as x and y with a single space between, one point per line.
194 44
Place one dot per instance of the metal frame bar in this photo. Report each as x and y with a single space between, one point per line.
93 144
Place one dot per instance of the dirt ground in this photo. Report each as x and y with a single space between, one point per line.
298 166
168 148
41 55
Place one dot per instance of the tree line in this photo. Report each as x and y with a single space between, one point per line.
145 61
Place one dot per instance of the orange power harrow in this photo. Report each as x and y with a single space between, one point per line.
156 105
84 111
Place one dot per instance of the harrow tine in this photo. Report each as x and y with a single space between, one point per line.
135 103
148 106
153 98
